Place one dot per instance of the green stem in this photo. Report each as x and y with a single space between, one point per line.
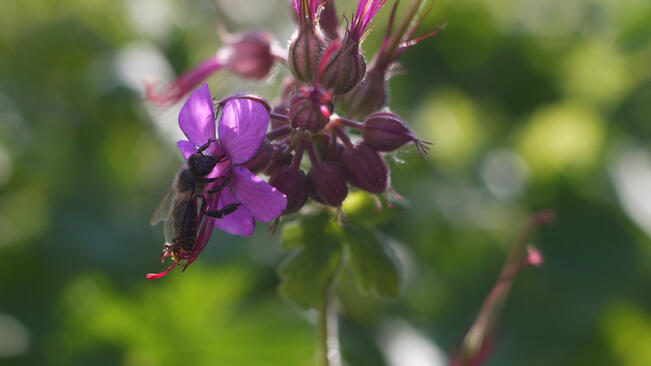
324 334
329 331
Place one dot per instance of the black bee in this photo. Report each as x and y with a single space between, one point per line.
180 207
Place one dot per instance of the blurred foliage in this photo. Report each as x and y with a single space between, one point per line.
530 104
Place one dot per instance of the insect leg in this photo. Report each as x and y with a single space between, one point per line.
218 214
221 185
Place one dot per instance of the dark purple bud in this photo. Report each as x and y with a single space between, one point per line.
293 183
367 97
249 55
279 159
328 148
261 159
305 113
328 183
365 168
386 131
305 53
345 69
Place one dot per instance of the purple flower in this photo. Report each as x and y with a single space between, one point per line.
242 128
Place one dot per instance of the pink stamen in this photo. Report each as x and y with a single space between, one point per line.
155 276
366 11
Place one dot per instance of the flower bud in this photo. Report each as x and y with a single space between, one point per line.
328 148
365 168
279 158
345 69
249 55
386 131
261 159
304 113
305 53
367 97
328 184
293 183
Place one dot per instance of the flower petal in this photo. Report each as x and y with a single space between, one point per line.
262 200
187 148
242 128
197 117
239 222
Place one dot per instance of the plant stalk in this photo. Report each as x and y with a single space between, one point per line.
329 331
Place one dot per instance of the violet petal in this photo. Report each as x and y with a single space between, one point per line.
197 117
239 222
242 128
262 200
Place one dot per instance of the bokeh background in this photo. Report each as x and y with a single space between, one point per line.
531 104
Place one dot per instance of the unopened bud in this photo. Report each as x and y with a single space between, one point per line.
261 159
305 53
293 183
328 184
365 168
386 131
279 159
328 148
367 97
345 69
306 114
249 55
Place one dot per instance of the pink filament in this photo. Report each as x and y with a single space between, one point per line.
154 276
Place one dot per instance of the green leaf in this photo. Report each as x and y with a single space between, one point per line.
374 263
363 209
317 229
307 274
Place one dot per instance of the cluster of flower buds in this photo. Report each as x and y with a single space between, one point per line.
329 87
328 70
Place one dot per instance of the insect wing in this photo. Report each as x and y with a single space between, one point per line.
164 209
169 229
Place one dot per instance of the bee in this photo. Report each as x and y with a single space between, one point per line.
180 208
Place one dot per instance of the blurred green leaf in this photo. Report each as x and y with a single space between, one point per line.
374 262
318 229
308 273
363 209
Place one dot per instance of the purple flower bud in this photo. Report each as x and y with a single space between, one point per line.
386 131
365 168
293 183
328 148
367 97
279 158
249 55
305 113
305 53
328 184
345 69
261 159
